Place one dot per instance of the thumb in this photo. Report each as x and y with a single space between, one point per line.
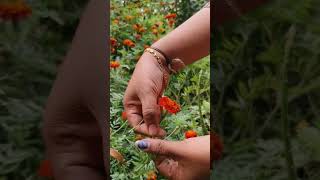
159 147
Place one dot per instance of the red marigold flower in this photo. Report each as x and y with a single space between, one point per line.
170 105
217 146
129 43
114 64
190 134
45 169
14 10
152 176
171 16
124 115
113 42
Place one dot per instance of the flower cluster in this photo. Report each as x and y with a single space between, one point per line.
170 105
171 19
14 10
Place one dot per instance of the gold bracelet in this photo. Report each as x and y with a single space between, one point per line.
162 67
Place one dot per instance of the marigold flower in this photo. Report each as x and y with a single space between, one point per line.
124 115
113 42
162 3
190 134
217 146
113 50
171 22
45 169
170 105
152 176
146 46
114 64
171 16
116 21
129 18
129 43
155 31
14 10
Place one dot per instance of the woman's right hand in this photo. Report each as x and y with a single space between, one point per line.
180 160
141 97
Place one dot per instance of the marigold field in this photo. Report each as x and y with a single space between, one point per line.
186 114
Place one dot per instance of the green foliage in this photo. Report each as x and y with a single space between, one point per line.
249 65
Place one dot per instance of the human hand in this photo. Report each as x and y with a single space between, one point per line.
180 160
141 97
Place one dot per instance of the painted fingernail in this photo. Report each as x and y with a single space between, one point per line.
142 144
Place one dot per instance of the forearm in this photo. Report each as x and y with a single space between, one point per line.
190 41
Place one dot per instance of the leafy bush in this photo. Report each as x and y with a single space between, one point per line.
190 88
262 62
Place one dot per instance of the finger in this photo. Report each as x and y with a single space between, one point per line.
151 114
160 147
167 167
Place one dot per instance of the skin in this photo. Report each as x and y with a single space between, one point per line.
76 116
180 160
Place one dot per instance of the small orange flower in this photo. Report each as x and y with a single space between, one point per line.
162 3
114 64
146 46
152 176
45 169
217 146
171 16
124 115
190 134
170 105
139 28
129 18
116 21
14 10
129 43
155 31
113 42
171 22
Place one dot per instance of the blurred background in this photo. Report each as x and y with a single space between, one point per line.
266 79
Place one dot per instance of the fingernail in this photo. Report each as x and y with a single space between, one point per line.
142 144
153 130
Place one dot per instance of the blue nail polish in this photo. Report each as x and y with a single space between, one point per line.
142 144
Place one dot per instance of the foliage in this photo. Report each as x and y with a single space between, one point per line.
30 51
190 88
258 60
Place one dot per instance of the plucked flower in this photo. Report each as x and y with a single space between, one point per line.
114 64
170 105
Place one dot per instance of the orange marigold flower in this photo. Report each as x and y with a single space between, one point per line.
113 42
152 176
129 18
14 10
45 169
155 31
217 146
171 22
162 3
136 26
116 21
170 105
124 115
171 16
114 64
129 43
190 134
